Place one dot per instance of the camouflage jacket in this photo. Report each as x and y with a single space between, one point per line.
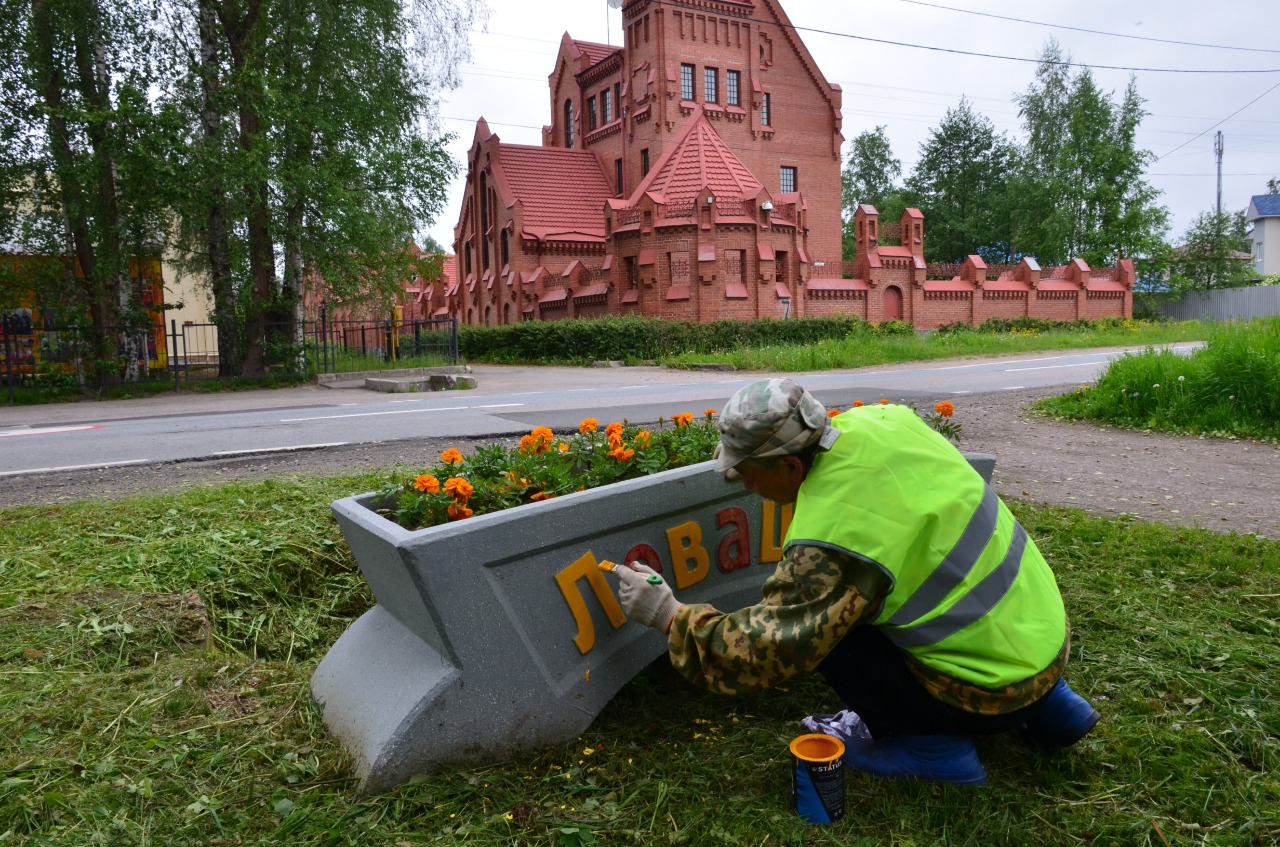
814 597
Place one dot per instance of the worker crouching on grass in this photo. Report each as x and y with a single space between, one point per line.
906 583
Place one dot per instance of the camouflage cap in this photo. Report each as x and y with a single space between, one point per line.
769 417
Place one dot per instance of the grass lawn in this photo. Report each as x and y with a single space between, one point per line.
156 655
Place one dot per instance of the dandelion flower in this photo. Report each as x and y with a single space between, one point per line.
426 483
946 408
452 456
1157 385
1182 379
588 425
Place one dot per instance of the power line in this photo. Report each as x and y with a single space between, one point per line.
1221 122
1091 31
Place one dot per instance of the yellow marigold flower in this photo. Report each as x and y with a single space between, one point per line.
458 488
642 438
946 408
588 425
613 428
857 403
682 419
458 511
451 456
831 413
884 402
426 483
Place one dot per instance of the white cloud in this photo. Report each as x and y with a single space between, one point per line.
909 89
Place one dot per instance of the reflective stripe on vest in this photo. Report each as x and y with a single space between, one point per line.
981 599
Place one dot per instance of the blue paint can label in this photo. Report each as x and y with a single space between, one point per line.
818 777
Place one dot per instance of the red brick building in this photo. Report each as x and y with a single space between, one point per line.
694 173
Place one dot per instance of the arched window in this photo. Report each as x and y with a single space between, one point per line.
568 123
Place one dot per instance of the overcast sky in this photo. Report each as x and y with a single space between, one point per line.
908 86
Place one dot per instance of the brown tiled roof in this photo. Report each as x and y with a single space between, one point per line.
563 192
594 52
701 159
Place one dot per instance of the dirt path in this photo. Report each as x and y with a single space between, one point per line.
1217 484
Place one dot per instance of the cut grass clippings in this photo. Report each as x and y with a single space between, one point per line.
156 655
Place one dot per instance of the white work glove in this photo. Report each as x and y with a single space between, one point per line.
643 601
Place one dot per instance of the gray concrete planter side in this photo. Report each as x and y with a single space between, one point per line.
498 634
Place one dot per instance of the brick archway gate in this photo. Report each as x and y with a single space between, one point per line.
893 303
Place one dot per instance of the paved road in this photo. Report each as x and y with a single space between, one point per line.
508 400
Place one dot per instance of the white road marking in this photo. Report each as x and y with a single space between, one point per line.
499 405
47 430
1014 387
289 449
1051 367
375 414
93 466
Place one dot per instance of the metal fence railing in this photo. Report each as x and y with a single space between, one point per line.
33 352
1224 305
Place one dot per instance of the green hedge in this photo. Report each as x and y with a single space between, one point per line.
632 339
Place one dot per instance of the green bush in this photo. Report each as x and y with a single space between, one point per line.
634 339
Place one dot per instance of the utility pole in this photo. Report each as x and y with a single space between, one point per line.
1218 147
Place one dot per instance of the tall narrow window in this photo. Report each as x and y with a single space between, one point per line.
617 173
733 88
711 85
766 112
617 98
506 248
644 162
606 105
591 113
686 82
568 123
787 179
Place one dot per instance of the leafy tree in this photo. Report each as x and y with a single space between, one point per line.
1273 186
77 170
1212 254
1080 189
960 184
871 175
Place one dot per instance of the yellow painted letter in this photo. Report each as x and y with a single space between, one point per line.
771 550
685 542
567 580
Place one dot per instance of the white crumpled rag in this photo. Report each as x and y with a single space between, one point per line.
845 725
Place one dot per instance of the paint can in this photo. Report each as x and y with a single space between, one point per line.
817 766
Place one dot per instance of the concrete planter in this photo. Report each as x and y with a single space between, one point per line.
499 634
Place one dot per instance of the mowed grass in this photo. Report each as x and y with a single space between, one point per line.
156 655
1230 387
868 349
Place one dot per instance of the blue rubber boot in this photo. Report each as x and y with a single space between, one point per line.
930 758
1060 719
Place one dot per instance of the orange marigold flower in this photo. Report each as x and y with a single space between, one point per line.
458 511
682 419
614 428
528 444
458 488
543 433
615 441
451 456
884 402
426 483
857 403
564 447
588 425
642 438
946 408
542 495
622 454
709 412
831 413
